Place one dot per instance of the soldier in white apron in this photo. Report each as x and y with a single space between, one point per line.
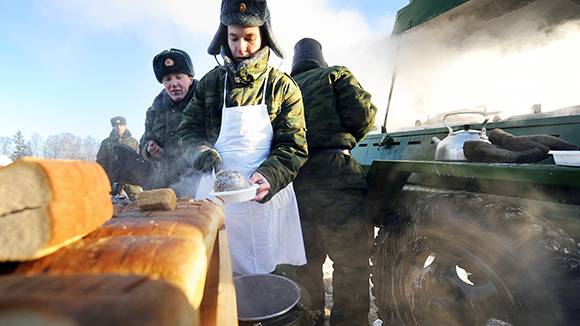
249 117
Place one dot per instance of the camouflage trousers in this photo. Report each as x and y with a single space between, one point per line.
335 223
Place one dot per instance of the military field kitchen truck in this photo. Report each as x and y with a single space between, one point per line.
477 243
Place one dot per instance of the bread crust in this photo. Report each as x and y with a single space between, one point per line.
74 201
174 246
94 300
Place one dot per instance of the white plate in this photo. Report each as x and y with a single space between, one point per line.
569 158
237 196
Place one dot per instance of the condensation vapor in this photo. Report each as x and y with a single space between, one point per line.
507 63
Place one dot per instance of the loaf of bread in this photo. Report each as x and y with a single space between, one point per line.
92 300
180 261
190 219
47 204
158 199
174 246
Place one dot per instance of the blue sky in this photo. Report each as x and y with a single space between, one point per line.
69 65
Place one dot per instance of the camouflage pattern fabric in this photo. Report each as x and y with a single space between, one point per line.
336 223
106 157
201 123
161 123
339 113
331 192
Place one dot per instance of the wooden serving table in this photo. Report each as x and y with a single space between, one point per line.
186 247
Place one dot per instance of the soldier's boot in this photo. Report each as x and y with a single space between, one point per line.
478 151
315 317
552 142
517 143
514 143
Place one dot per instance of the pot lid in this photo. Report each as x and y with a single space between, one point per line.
264 296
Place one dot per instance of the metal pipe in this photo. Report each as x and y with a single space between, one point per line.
393 79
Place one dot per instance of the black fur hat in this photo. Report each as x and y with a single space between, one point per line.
244 13
307 55
172 61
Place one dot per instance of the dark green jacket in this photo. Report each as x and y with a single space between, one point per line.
161 122
201 123
106 155
339 113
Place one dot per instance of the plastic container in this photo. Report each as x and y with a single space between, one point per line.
237 196
568 158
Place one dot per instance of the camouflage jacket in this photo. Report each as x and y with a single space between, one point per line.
161 122
106 155
338 114
202 117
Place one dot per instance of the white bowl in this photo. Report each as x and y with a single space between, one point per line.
569 158
237 196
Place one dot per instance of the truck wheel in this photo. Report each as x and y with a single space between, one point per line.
470 259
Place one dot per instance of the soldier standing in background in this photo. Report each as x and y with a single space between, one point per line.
106 156
173 68
331 187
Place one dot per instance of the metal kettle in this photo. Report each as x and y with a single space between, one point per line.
451 147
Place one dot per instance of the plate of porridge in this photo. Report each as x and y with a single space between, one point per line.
232 187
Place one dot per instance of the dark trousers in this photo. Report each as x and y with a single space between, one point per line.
335 223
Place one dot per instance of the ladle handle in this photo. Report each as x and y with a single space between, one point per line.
484 114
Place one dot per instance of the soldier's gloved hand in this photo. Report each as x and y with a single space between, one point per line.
207 160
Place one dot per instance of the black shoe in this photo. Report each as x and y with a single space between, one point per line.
315 317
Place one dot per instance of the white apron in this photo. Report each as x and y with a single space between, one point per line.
261 236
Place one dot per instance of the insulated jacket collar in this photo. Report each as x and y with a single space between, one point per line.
164 102
247 71
114 135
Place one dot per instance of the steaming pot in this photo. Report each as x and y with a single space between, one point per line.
269 300
451 147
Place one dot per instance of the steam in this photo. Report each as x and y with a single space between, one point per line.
515 251
507 64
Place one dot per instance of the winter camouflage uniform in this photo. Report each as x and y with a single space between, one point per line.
161 123
331 191
106 157
201 123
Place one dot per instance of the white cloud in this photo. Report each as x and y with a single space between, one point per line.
347 37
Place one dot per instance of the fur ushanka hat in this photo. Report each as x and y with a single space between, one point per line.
244 13
118 120
172 61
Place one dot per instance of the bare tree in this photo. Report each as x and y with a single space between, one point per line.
89 148
69 146
59 146
36 145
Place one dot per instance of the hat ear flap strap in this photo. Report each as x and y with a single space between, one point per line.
221 64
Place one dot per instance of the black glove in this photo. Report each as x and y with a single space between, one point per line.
207 160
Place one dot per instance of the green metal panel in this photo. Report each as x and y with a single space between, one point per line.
528 173
549 191
416 144
420 11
